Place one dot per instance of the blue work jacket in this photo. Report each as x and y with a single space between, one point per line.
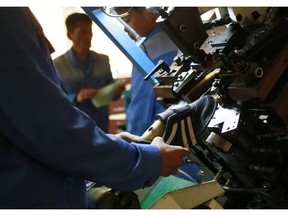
143 107
48 148
74 76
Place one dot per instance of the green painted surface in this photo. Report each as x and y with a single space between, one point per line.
165 185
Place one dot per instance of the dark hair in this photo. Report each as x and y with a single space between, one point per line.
73 19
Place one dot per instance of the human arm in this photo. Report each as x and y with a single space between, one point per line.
119 88
85 94
172 156
37 118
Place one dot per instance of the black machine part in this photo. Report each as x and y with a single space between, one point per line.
245 136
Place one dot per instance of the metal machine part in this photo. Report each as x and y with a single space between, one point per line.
240 64
244 68
102 197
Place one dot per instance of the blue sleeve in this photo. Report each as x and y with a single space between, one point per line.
143 98
37 118
71 97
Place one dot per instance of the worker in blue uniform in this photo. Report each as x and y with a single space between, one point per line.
83 71
48 147
144 107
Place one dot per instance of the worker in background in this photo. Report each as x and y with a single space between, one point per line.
143 107
83 72
48 147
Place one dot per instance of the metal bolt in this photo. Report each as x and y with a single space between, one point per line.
182 28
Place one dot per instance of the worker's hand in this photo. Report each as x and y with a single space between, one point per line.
172 156
119 87
86 93
128 137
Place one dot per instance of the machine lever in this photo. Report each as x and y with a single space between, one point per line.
160 66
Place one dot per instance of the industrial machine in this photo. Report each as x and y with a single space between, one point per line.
226 99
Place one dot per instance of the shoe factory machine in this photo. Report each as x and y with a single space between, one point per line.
226 100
